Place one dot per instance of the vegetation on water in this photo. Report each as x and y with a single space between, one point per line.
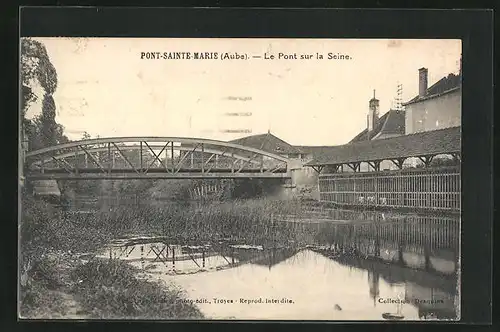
250 221
110 289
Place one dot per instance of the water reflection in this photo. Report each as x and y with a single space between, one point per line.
373 266
306 285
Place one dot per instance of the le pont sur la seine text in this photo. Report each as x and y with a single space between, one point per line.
240 56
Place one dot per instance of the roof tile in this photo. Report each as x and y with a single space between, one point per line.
445 84
267 142
419 144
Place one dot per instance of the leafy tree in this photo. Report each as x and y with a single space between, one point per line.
41 131
86 136
36 66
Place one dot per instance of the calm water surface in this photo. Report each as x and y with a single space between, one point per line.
355 268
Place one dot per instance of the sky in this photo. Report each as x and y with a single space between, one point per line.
107 90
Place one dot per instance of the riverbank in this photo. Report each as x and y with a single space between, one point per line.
63 286
56 283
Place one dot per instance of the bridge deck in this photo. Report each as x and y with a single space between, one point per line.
158 173
111 158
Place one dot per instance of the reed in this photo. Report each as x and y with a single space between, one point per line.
252 221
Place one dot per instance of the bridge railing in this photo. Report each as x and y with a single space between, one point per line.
147 156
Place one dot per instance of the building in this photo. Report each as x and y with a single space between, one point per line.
391 124
266 142
425 134
304 179
270 143
436 107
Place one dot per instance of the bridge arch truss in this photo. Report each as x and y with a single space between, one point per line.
152 158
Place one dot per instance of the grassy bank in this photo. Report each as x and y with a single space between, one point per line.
110 289
54 283
47 291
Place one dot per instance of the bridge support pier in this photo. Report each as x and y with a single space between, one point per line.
288 190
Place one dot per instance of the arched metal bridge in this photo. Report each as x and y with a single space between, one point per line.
152 158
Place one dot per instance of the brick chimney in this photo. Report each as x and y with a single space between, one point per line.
422 81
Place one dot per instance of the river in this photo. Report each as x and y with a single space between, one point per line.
373 266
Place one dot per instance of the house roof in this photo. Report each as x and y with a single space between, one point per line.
445 85
267 142
392 122
314 149
434 142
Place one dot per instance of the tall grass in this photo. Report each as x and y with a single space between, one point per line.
110 289
251 221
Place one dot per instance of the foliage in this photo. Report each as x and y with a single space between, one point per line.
36 66
36 299
35 228
110 289
440 162
86 135
249 221
44 228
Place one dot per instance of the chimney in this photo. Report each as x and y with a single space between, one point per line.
422 81
373 112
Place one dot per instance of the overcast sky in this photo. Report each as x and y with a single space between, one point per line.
106 89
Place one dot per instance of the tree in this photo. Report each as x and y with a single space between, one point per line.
86 136
41 131
36 66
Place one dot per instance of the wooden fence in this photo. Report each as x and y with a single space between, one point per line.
434 189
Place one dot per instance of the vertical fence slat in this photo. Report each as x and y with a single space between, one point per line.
427 189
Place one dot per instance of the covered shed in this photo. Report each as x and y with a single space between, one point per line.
422 145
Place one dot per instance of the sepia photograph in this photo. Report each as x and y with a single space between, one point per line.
239 179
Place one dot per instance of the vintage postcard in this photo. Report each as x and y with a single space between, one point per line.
240 179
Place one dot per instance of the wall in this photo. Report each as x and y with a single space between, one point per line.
435 113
